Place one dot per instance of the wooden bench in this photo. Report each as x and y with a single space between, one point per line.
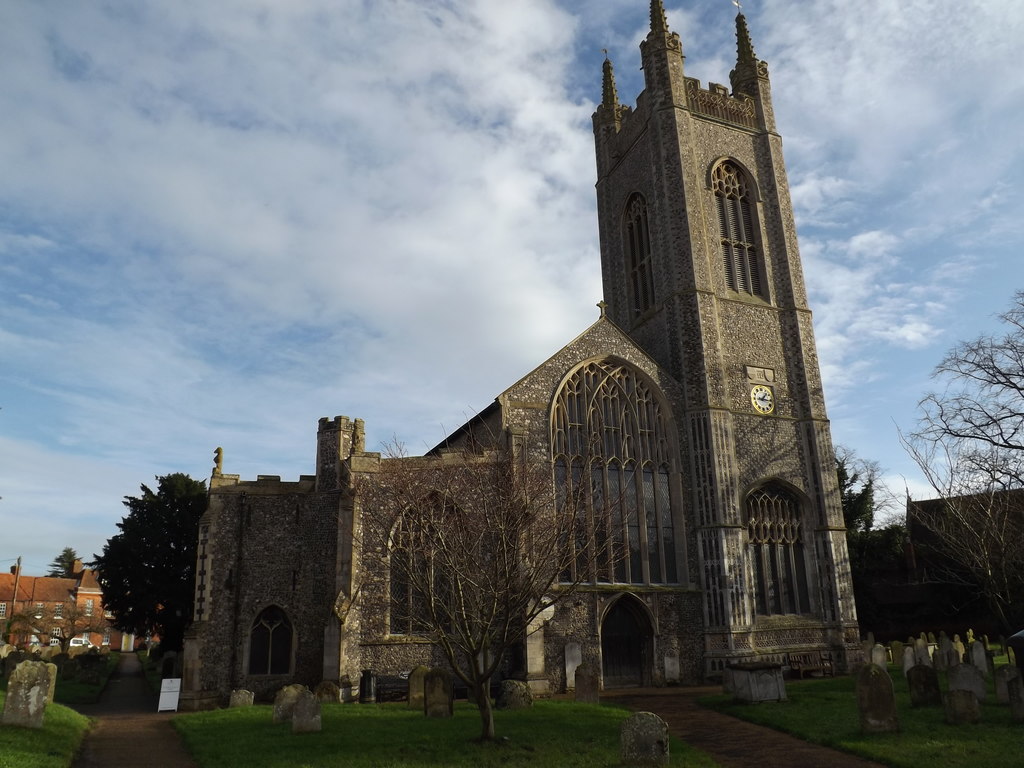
811 662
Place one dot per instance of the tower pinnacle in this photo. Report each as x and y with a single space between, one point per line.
744 77
659 21
609 94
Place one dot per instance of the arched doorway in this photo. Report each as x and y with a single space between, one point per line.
626 639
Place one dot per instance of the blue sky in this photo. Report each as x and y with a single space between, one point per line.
220 222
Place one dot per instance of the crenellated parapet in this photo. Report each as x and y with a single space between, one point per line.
716 102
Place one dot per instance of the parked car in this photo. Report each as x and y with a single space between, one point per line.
80 642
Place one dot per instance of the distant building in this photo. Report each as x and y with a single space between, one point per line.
47 610
697 390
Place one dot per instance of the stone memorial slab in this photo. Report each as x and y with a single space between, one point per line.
758 681
573 658
1002 677
415 694
28 690
941 658
879 656
588 685
306 713
284 702
979 657
438 693
672 667
876 702
924 686
921 652
1015 691
241 698
967 677
644 740
959 650
514 694
962 707
909 660
327 692
896 651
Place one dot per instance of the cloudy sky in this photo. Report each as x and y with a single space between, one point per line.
222 221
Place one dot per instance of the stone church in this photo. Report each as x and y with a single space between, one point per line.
700 380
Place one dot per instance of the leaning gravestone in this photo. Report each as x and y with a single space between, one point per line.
514 694
28 691
438 694
415 694
967 677
587 685
876 701
924 686
644 740
573 658
962 707
306 713
241 698
284 702
1003 677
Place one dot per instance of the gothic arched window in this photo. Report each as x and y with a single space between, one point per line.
613 455
740 255
414 580
637 245
774 534
270 643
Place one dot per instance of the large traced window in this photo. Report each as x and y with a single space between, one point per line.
637 245
736 225
613 464
270 643
776 549
416 579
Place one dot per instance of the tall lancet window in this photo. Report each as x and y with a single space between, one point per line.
637 245
777 552
270 643
736 226
613 457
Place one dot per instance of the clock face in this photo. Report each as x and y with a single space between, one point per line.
763 399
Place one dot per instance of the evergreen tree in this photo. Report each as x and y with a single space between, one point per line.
63 565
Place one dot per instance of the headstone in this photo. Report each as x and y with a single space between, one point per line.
573 658
931 638
306 713
921 654
672 666
967 677
755 682
28 691
924 686
588 685
284 702
879 655
241 698
876 701
327 692
514 694
909 660
415 694
438 695
962 706
978 656
959 649
1003 676
1015 686
644 740
896 649
941 659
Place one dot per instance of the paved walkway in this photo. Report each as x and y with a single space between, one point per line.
732 743
129 732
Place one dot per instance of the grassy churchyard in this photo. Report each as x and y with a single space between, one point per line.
52 746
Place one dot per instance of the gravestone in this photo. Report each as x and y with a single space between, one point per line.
28 692
909 660
921 654
438 695
755 682
306 713
896 649
979 657
876 702
1015 690
588 684
284 702
967 677
1003 676
962 706
941 659
672 667
644 740
514 694
924 686
415 695
959 649
573 658
878 655
241 698
327 692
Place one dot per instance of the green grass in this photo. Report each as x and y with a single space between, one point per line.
825 712
52 746
73 692
151 670
551 733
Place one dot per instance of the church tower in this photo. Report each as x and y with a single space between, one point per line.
701 268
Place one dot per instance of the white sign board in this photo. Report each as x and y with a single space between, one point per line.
170 689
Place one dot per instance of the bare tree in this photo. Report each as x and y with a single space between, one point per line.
59 622
478 546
